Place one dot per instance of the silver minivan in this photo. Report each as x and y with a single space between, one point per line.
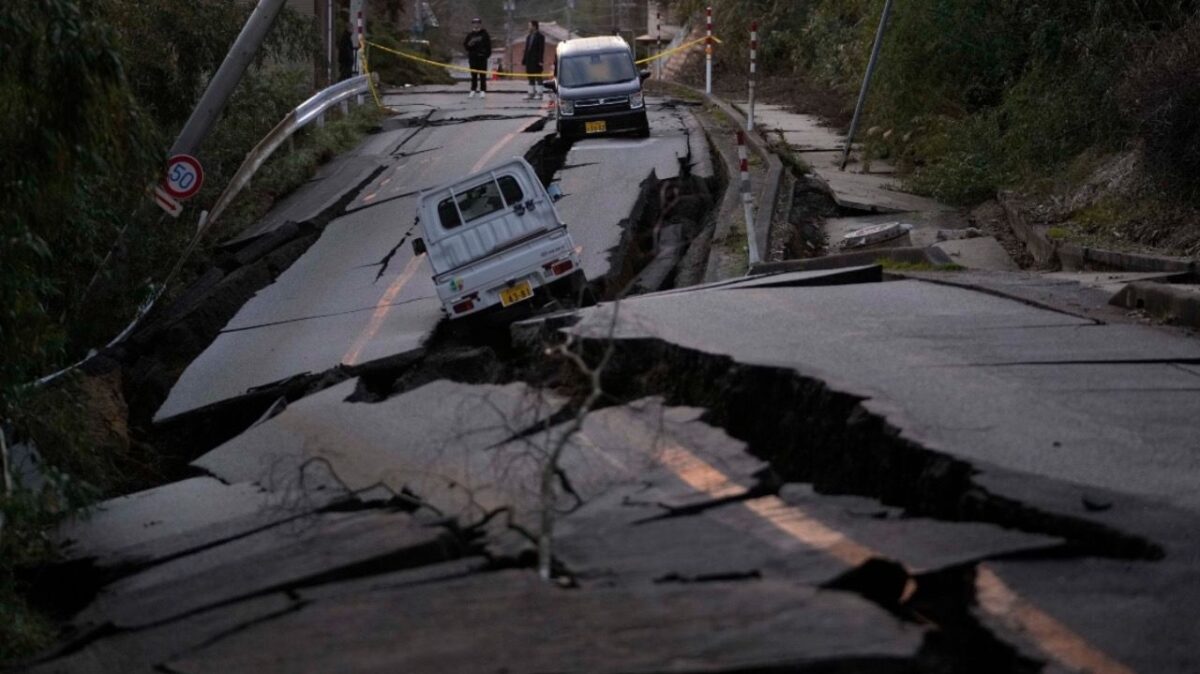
599 88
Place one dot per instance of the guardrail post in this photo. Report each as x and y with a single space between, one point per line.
708 54
321 120
747 199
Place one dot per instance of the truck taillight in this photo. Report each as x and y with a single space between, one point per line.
467 304
558 268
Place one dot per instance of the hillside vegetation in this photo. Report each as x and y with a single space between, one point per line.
92 92
1046 96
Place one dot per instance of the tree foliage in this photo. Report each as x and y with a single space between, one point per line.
978 93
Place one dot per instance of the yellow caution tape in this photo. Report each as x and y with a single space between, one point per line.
489 73
451 66
678 49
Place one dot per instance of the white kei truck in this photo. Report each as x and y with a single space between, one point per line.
494 239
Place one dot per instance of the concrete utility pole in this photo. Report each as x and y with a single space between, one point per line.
227 77
329 44
510 6
866 85
356 30
570 6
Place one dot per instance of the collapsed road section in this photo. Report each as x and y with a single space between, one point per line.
714 488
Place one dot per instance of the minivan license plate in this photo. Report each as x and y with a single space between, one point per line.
518 293
595 127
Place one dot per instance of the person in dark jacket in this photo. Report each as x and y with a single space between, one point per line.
535 45
346 54
479 49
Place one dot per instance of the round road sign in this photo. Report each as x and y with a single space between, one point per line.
184 176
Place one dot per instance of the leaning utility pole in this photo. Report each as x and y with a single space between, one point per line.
226 79
866 85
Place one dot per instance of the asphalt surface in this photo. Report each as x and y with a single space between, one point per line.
359 295
375 526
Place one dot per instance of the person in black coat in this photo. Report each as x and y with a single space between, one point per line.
345 54
535 45
479 49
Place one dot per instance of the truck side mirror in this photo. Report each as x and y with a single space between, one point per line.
644 74
418 245
555 191
550 85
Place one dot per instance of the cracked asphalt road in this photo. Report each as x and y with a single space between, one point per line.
785 474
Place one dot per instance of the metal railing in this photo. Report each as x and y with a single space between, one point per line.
312 109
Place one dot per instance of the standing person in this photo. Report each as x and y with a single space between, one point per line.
479 49
535 45
345 54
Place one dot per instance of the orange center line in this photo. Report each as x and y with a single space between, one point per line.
381 311
385 303
995 597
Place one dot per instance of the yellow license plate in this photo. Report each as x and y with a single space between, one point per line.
595 127
518 293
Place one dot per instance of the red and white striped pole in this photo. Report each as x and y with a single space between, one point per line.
753 74
747 198
708 53
358 43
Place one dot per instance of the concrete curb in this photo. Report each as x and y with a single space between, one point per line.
1073 256
763 217
904 255
1161 300
765 214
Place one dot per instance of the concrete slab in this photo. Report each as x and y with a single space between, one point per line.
983 252
326 310
866 192
279 557
512 622
602 179
925 225
802 133
172 519
437 442
926 357
143 651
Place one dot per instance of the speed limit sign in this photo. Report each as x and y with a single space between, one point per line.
184 176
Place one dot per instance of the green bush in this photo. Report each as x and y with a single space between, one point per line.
1161 97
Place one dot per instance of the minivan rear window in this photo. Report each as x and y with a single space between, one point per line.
479 201
594 69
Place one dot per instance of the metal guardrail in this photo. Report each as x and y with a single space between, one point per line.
312 109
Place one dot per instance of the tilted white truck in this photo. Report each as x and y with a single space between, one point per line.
494 238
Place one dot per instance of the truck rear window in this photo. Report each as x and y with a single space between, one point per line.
479 202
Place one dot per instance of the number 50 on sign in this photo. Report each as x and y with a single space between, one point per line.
184 176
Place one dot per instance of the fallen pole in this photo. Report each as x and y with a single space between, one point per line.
866 85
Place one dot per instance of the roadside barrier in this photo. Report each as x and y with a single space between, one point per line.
747 199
